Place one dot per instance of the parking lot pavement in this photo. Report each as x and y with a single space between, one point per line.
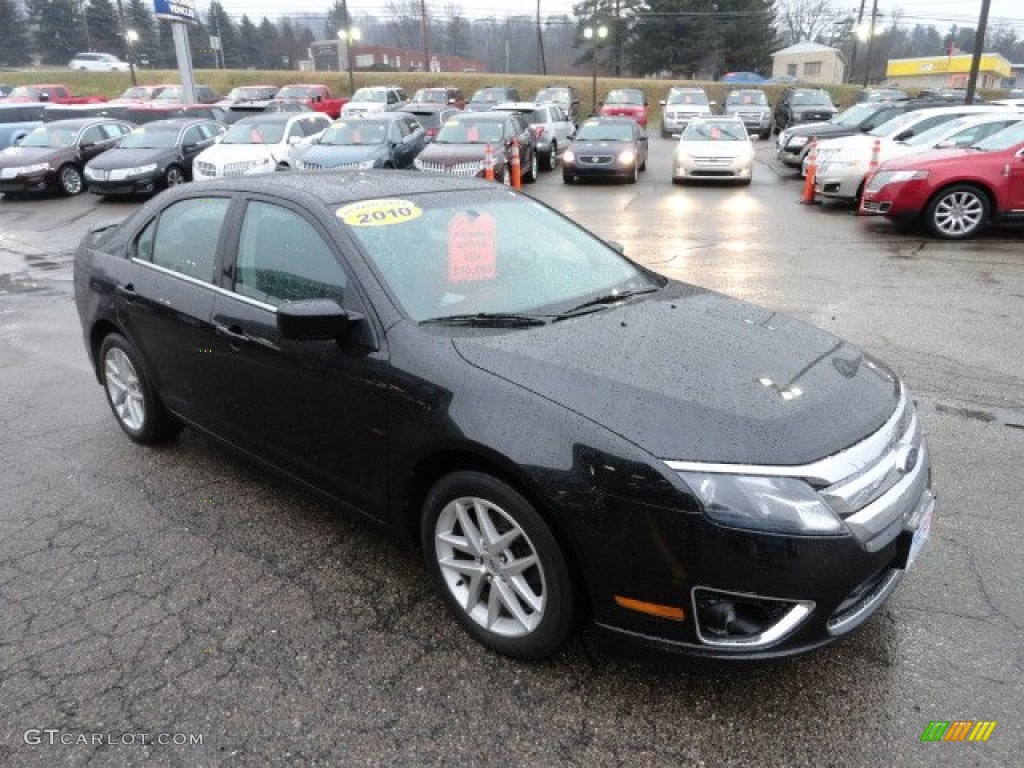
180 595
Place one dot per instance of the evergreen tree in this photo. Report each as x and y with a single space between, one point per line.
60 32
337 18
747 35
249 43
269 46
104 27
13 40
677 36
219 23
286 45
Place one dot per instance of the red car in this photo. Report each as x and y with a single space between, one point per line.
626 102
955 192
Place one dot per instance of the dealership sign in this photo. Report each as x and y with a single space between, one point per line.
175 10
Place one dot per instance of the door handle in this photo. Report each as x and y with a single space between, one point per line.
233 333
128 291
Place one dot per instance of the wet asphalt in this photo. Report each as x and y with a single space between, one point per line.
176 606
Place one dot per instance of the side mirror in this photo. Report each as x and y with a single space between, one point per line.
904 136
867 127
189 147
88 146
947 144
317 97
314 320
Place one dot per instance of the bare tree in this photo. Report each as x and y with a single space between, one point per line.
813 20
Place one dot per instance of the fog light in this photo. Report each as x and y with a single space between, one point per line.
746 621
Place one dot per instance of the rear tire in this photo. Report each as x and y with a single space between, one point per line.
131 396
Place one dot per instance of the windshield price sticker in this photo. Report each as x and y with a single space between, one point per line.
472 248
379 213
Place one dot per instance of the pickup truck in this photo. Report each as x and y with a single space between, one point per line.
53 94
318 97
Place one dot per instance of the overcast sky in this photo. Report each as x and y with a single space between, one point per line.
940 13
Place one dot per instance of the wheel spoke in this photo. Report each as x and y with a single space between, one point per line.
525 591
457 542
510 601
487 529
469 529
516 567
493 607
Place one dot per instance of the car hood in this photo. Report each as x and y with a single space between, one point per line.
688 374
231 153
714 148
457 153
129 158
822 129
329 155
585 147
968 159
18 156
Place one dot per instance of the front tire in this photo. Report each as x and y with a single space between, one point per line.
531 174
497 565
174 176
70 181
634 173
131 395
957 212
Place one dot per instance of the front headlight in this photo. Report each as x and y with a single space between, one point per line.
139 170
568 156
773 504
897 177
92 174
32 168
797 141
627 156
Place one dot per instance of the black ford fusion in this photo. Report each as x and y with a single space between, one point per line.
379 140
152 157
606 147
567 434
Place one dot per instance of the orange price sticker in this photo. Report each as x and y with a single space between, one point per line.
472 248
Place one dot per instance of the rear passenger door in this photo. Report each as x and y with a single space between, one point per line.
164 296
316 409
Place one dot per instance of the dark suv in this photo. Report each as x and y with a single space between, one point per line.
803 105
489 97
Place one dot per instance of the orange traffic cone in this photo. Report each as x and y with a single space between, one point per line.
489 163
514 165
807 198
876 152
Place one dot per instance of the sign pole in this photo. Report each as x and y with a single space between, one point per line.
180 13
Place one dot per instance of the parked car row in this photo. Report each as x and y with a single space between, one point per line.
953 168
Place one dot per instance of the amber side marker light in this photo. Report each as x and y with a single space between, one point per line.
662 611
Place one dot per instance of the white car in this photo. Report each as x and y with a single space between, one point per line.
681 105
550 125
714 148
259 144
843 163
378 98
98 62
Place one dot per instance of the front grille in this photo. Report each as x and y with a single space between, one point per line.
206 169
710 173
311 166
597 159
873 206
455 169
236 169
861 603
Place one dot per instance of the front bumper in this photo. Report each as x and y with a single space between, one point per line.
711 168
598 166
839 181
136 185
29 182
903 200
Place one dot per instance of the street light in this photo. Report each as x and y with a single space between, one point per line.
132 37
595 34
350 36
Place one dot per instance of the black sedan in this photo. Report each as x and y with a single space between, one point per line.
376 140
606 147
152 157
566 433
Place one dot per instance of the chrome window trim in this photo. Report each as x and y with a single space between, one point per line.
204 284
824 472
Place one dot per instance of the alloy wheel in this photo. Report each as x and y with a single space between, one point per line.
174 176
124 389
70 180
958 213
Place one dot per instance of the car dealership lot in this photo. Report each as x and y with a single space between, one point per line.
180 590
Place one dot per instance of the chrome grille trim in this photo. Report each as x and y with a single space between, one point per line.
859 613
471 168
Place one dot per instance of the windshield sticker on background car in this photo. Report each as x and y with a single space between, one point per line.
472 248
379 213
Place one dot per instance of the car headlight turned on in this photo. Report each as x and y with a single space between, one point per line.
627 156
772 504
568 156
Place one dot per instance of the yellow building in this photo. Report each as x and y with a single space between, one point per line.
947 71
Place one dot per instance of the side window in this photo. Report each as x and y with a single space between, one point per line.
187 234
282 257
192 136
296 130
92 135
144 243
112 131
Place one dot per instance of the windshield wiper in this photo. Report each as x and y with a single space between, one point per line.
487 318
603 301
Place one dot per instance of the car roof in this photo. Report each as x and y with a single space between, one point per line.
331 188
272 117
77 123
178 122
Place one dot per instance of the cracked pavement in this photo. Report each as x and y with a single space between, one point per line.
181 590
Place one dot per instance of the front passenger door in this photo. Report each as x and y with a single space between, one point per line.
316 409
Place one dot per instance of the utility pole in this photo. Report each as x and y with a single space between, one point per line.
426 35
871 42
856 39
979 44
127 42
542 65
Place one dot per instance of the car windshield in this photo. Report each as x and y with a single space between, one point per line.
624 97
294 92
255 133
894 125
150 138
598 131
137 92
811 99
855 115
356 132
50 136
170 93
470 132
719 130
370 94
431 96
553 94
745 98
1005 139
428 119
460 253
250 94
693 97
488 95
